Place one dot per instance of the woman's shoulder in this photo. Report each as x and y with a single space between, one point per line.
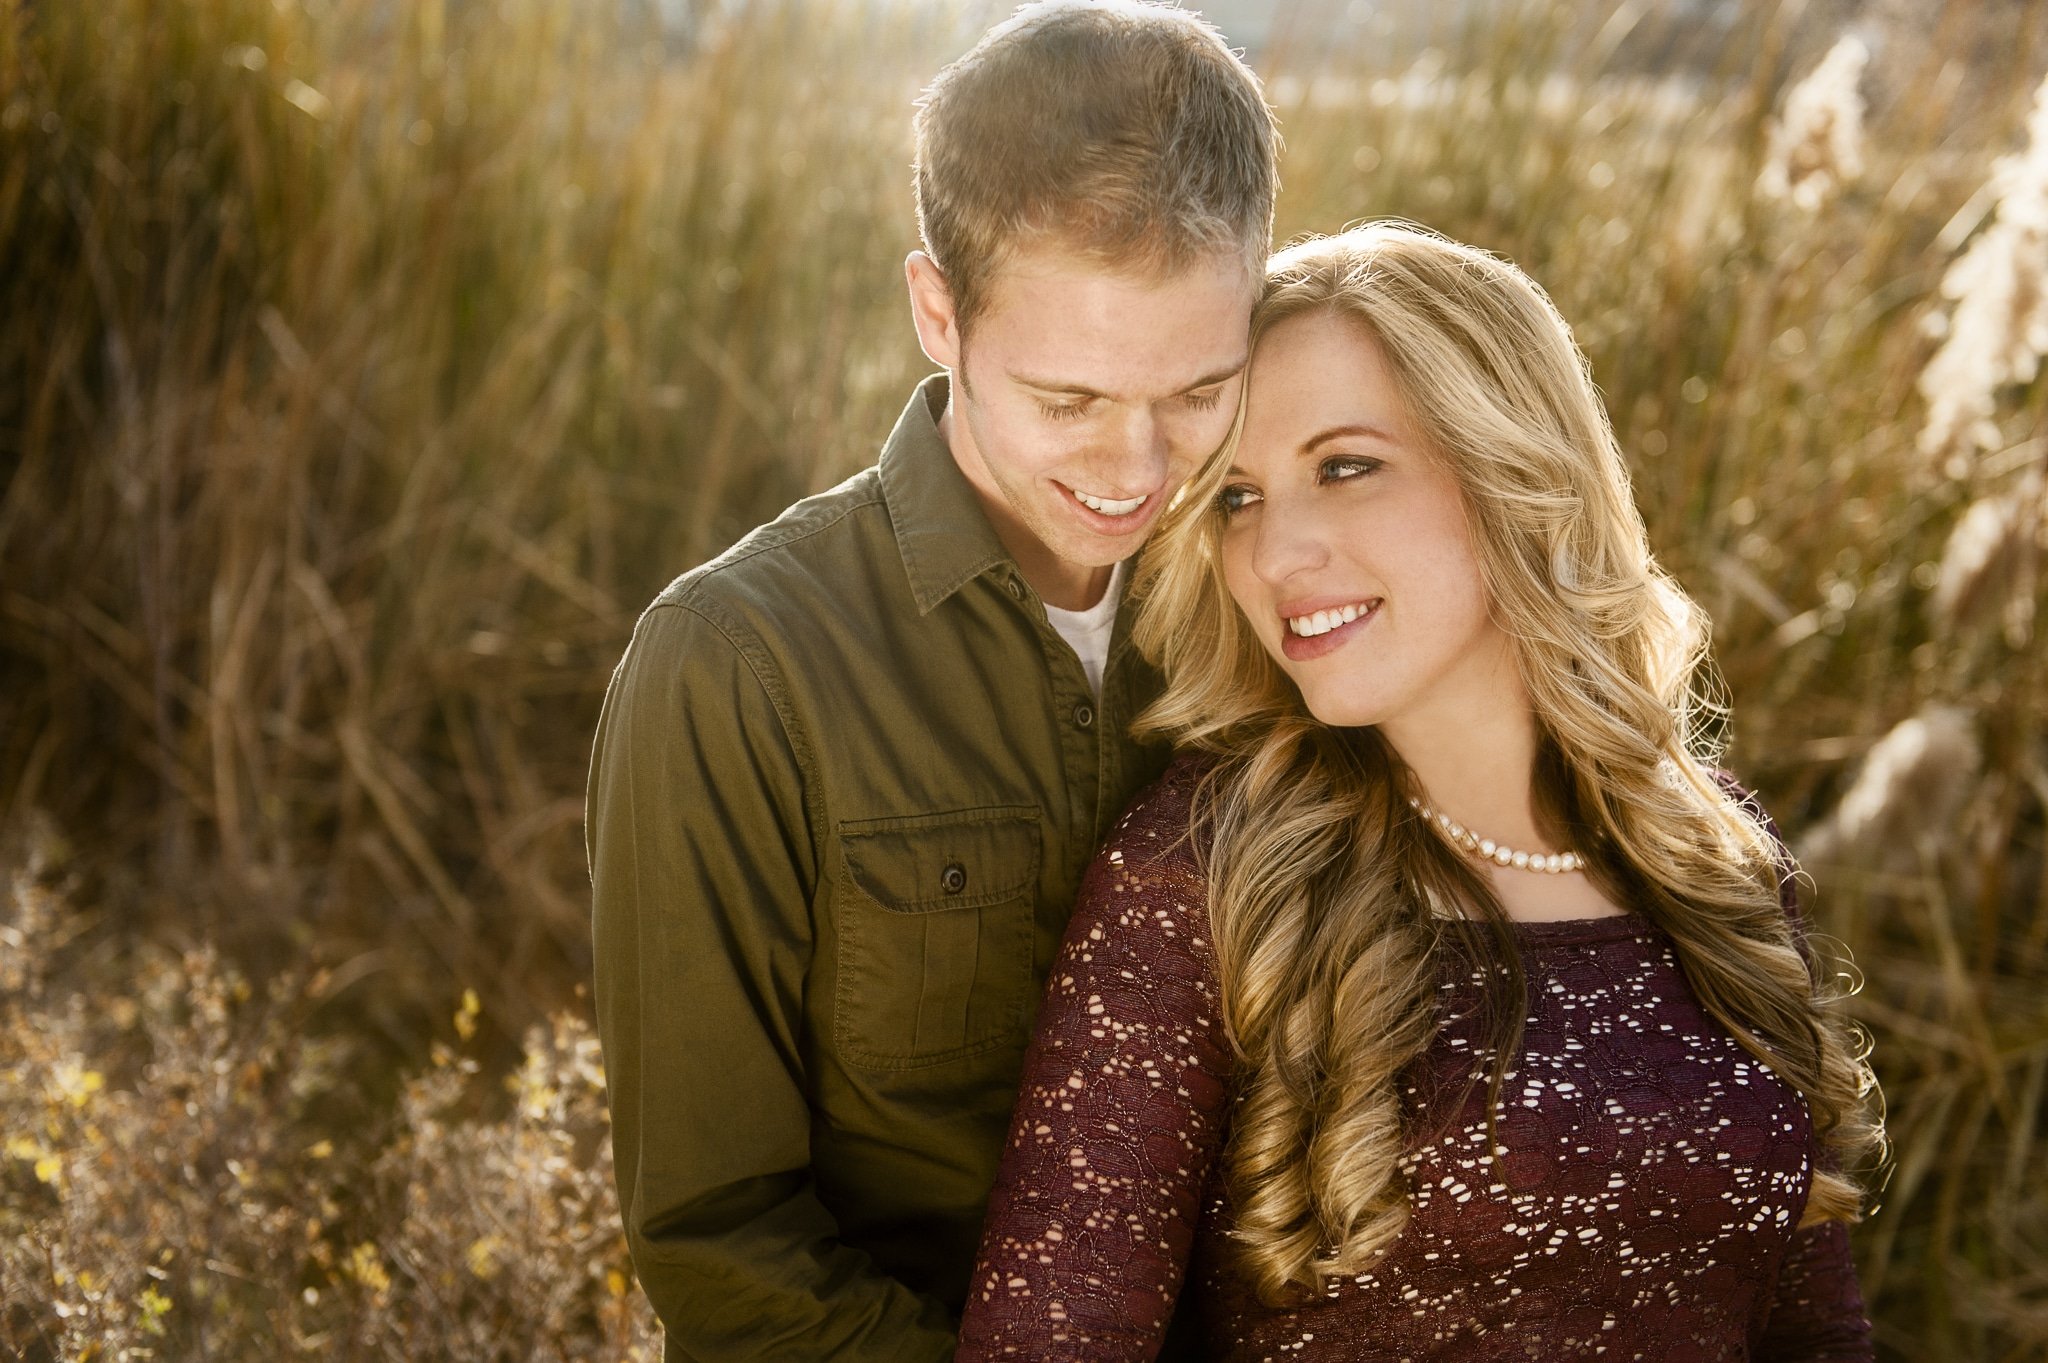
1732 786
1139 930
1161 826
1783 862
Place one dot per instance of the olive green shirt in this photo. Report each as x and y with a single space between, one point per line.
845 785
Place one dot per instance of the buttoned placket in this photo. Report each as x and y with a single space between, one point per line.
1084 718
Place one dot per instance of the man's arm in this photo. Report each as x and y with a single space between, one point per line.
702 873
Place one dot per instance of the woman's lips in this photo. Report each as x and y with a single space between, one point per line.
1300 650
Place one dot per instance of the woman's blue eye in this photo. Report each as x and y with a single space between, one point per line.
1235 498
1340 467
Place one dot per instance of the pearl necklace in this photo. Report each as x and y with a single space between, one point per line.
1486 849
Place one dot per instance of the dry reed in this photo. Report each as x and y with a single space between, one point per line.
364 367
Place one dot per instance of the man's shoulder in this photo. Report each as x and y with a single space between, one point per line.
823 547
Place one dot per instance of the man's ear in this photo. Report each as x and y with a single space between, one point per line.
931 311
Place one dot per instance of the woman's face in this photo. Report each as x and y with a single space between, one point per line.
1345 540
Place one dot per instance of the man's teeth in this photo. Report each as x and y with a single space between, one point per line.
1105 505
1322 622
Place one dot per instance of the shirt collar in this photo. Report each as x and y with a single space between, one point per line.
941 531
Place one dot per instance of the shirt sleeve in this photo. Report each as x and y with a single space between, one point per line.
1817 1313
1118 1122
702 875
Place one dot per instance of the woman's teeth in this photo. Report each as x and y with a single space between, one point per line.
1322 622
1105 506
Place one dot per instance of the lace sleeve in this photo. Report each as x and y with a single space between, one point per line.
1817 1313
1119 1118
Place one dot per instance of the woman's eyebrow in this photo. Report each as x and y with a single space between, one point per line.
1308 446
1370 432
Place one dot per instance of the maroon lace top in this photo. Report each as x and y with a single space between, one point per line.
1655 1172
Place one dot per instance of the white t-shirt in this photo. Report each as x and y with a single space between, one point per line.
1087 632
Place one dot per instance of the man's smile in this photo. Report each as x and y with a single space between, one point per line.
1109 506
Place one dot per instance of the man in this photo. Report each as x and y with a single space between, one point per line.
849 773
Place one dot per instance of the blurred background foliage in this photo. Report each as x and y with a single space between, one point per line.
365 367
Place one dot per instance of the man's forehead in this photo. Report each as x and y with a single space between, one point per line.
1047 257
1072 324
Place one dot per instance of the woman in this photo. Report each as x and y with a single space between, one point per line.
1441 1001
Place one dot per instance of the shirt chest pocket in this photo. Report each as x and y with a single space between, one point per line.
935 926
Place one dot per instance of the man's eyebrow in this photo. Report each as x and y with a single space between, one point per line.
1224 375
1081 390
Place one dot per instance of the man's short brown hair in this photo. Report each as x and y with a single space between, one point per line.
1126 131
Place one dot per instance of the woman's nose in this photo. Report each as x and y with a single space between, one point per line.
1288 542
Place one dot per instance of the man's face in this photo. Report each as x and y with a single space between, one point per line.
1084 398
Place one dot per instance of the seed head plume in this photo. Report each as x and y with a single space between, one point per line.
1998 330
1817 143
1916 777
1991 562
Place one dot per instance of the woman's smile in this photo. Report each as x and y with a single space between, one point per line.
1316 630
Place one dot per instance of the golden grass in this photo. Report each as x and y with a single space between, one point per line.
364 368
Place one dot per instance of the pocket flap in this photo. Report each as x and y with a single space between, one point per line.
964 859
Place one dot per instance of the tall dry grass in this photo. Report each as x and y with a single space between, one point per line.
366 366
363 368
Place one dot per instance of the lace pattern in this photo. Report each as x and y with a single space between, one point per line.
1643 1203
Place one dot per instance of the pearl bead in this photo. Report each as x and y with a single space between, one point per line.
1486 849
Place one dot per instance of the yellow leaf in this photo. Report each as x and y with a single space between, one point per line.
366 1266
320 1149
154 1304
616 1281
49 1169
465 1017
483 1257
77 1085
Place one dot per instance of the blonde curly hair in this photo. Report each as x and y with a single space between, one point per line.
1321 877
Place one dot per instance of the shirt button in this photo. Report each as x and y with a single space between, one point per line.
1084 714
1014 588
954 878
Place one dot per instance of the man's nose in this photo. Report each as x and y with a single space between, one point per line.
1142 453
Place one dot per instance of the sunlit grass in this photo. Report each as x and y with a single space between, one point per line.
365 368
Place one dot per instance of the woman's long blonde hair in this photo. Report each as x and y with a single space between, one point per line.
1321 878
